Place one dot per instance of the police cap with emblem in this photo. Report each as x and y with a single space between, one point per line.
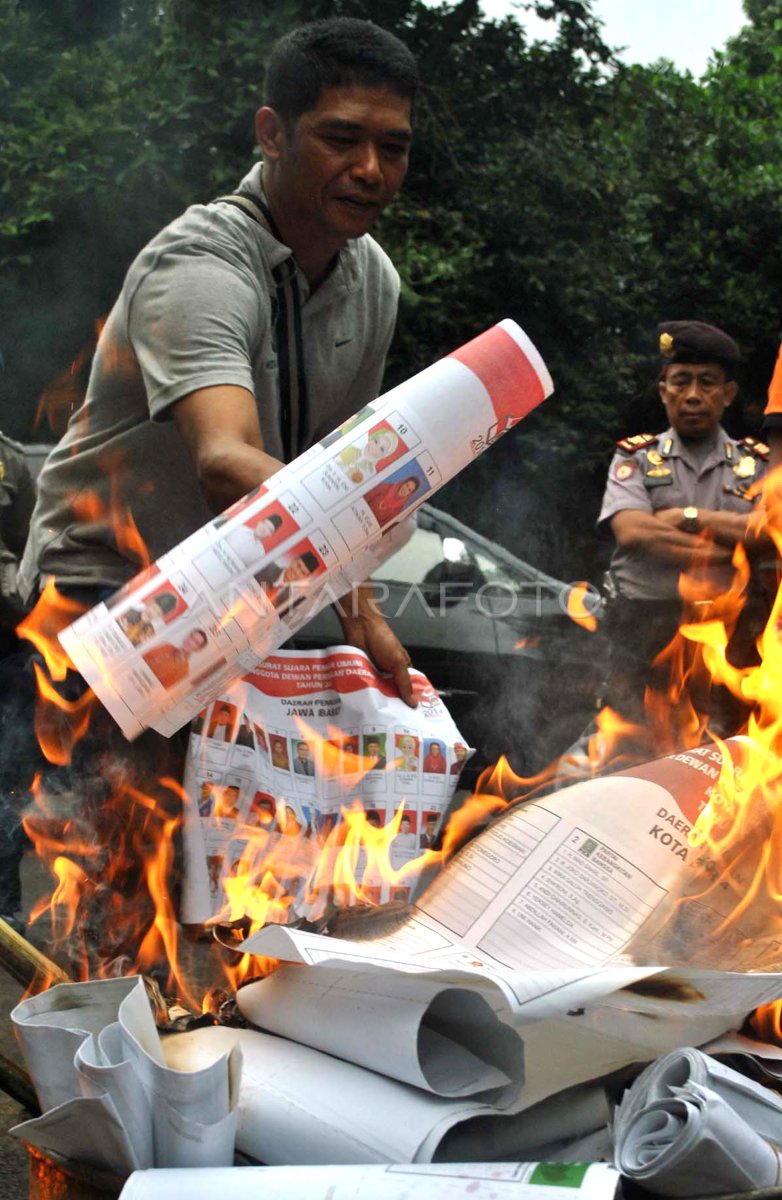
697 342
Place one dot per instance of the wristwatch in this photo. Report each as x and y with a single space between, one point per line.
691 523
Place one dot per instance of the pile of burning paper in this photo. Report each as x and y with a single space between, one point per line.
500 1017
489 1024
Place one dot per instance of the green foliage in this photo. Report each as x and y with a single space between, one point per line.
548 182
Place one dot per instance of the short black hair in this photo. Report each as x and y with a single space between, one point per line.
166 602
336 52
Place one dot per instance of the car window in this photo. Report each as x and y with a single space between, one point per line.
492 571
412 563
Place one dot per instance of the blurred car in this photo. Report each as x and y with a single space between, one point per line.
493 635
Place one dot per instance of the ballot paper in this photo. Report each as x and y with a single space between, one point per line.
455 1181
449 1041
690 1126
300 1106
108 1098
557 900
213 607
274 762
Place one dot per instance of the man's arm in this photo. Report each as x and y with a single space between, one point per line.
364 625
637 530
220 426
727 528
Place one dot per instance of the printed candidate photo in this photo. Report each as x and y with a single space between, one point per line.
369 457
388 500
286 580
142 621
261 533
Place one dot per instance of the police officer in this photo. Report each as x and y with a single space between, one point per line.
17 497
679 501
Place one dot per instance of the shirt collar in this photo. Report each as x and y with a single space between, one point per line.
679 448
345 277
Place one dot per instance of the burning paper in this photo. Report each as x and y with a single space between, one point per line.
213 607
458 1181
690 1126
107 1095
559 901
274 762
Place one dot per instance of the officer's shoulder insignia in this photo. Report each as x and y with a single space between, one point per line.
638 441
759 449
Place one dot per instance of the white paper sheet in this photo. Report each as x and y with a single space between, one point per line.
684 1068
694 1144
299 1106
94 1048
323 515
277 758
51 1026
555 901
463 1181
448 1041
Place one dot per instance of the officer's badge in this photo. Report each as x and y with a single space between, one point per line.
654 457
624 470
666 345
658 472
745 468
2 469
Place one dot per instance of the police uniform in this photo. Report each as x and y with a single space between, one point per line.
650 472
17 499
653 472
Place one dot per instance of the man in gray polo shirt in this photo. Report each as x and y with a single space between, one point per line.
245 331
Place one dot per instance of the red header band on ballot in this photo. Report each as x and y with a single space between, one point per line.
514 385
241 585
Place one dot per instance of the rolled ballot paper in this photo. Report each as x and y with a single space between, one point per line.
445 1039
299 1106
757 1105
458 1181
690 1126
693 1144
108 1098
214 606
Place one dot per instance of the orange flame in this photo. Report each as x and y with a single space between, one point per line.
577 609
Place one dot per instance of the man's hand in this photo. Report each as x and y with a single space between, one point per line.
364 626
671 516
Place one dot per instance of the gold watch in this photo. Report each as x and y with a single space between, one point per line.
691 523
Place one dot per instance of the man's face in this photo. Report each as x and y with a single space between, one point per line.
303 751
264 529
695 396
342 162
296 571
196 640
373 749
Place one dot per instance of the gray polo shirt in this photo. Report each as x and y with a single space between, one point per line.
196 310
665 474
